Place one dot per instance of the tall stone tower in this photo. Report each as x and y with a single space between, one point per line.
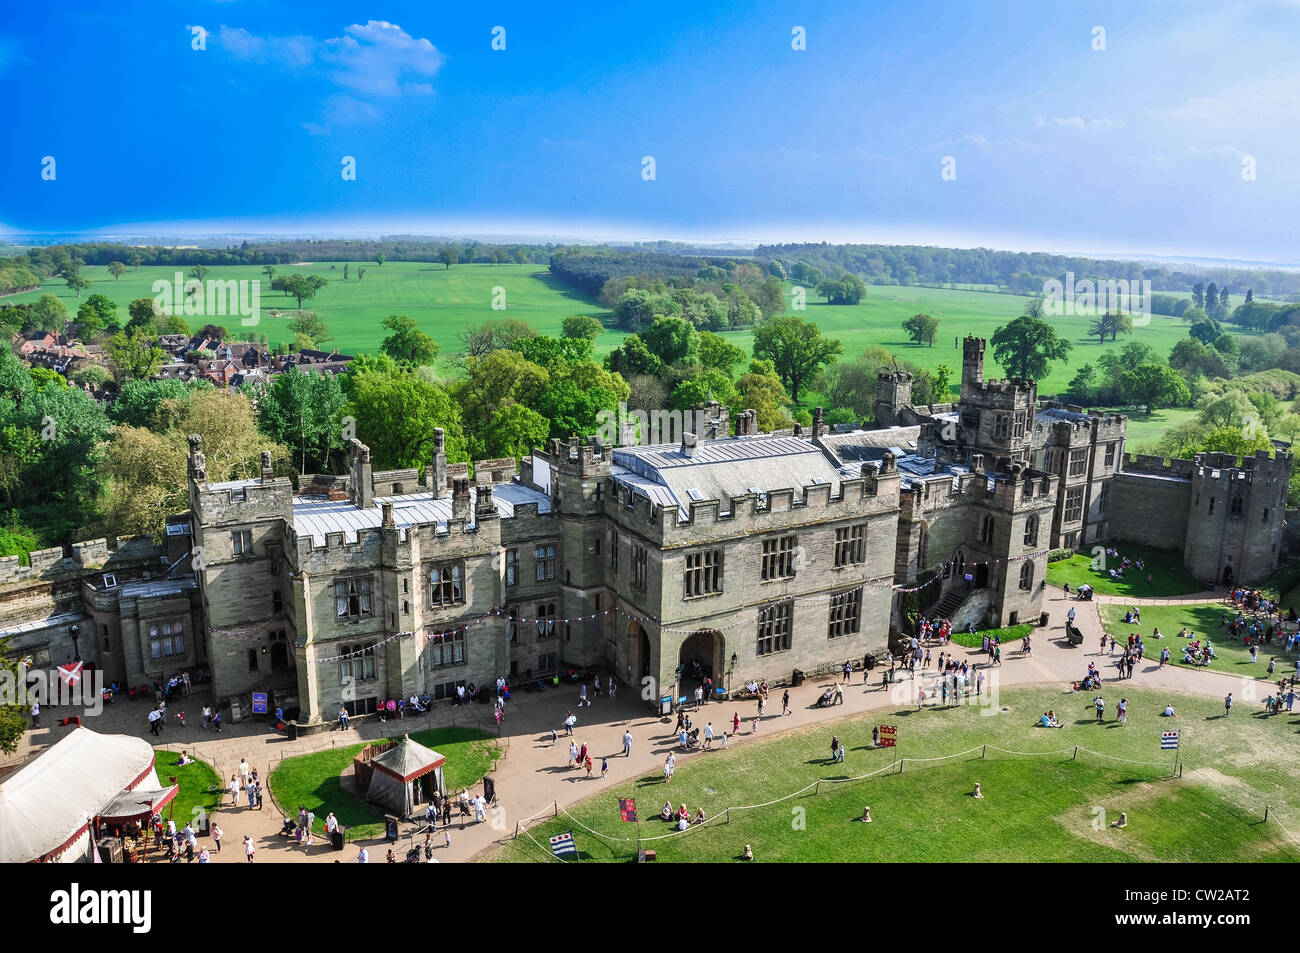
893 392
997 417
579 477
1234 524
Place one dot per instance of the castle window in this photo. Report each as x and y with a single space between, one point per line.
1103 497
1236 506
1110 454
1001 426
613 550
277 601
545 620
703 573
545 563
109 645
922 546
1078 461
1031 531
986 530
1028 492
1073 504
1027 575
166 639
252 660
845 613
1211 505
639 561
1265 517
242 542
1070 540
778 557
850 544
352 598
447 584
512 624
774 627
512 566
1018 425
446 649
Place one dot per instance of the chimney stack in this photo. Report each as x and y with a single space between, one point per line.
387 510
268 474
460 499
688 444
819 423
435 477
485 507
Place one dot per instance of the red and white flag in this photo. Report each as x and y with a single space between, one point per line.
71 674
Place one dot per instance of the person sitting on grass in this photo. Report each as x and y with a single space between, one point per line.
667 812
1169 711
699 817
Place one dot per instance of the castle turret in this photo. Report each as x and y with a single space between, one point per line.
893 393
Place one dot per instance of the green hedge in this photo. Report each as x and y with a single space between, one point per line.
1006 634
1056 555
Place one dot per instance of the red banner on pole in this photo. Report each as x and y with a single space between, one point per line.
888 736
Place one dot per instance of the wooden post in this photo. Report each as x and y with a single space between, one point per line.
817 788
984 753
1075 756
1266 812
516 837
556 808
728 815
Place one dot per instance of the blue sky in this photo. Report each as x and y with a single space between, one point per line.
1137 148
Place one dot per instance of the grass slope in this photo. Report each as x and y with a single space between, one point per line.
1203 619
199 785
1042 808
314 780
1168 575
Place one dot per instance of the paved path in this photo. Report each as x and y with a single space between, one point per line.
532 775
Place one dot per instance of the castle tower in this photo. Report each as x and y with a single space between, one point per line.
579 473
972 361
1234 523
893 393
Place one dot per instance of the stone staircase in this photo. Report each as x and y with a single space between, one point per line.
949 603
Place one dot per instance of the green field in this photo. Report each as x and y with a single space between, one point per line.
446 301
199 787
1049 807
1203 619
1168 575
315 780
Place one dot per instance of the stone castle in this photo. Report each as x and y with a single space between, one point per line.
753 554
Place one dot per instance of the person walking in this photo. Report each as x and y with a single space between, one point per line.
582 696
735 723
604 768
627 744
708 736
573 753
363 855
216 721
249 848
207 716
1101 707
216 835
699 696
1227 705
234 788
669 765
1122 711
569 721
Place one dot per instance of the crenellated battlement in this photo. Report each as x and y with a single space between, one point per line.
79 557
1146 464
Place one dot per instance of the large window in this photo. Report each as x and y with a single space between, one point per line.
1103 497
241 542
1001 426
850 544
1073 503
778 557
1078 461
1031 531
774 626
545 620
446 649
986 530
704 573
357 663
352 598
166 639
1027 575
613 550
1018 425
512 566
1110 454
638 566
545 563
846 613
447 584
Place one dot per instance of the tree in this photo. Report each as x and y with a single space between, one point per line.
637 308
1111 323
761 390
514 431
269 271
78 284
1154 385
582 326
408 344
480 340
1082 386
448 256
1206 330
717 352
776 269
136 260
634 358
770 296
1212 300
96 313
301 287
134 355
796 349
500 378
671 340
921 328
116 269
1026 347
696 391
396 412
141 314
199 272
1250 295
313 327
379 259
303 412
345 271
95 375
847 289
1198 295
13 716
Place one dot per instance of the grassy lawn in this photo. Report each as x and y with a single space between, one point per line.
1203 619
446 301
1144 432
315 782
200 786
1005 635
1168 575
1041 808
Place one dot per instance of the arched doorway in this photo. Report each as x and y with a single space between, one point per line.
638 651
981 575
1227 575
279 656
701 657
